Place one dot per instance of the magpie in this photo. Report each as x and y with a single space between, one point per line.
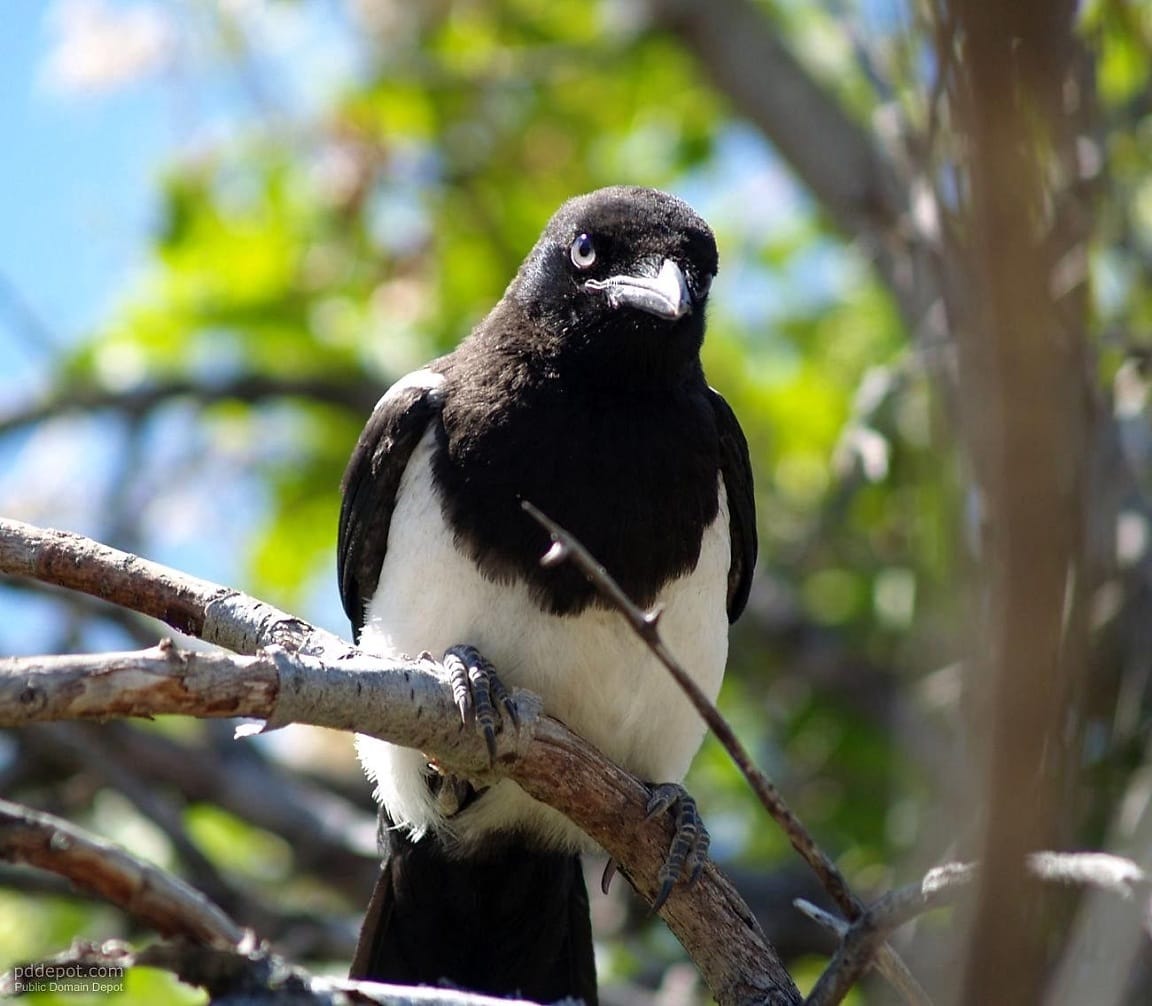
581 392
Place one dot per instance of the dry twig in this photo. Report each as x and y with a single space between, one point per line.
145 892
941 887
646 625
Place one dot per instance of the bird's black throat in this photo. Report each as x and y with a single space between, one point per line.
630 467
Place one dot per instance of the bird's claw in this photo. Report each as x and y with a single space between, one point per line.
479 694
606 877
689 847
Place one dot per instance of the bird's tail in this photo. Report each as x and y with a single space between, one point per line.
509 920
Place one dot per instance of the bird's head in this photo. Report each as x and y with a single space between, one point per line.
621 274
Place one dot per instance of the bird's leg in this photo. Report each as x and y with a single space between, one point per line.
479 694
689 849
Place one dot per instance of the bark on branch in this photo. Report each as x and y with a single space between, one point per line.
287 671
157 898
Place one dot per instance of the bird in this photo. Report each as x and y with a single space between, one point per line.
582 393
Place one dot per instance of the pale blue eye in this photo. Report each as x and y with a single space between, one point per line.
583 253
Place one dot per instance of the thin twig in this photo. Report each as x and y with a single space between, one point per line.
35 333
646 626
940 887
853 956
858 949
354 394
326 832
860 940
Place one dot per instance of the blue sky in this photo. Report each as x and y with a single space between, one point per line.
79 173
76 178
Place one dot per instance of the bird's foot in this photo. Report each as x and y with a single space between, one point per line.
689 850
479 694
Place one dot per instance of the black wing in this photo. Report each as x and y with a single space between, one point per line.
737 470
371 481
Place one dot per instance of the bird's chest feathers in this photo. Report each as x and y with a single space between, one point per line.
634 479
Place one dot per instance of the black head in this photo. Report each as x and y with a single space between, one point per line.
620 279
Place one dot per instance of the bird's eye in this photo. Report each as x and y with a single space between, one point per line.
703 286
583 253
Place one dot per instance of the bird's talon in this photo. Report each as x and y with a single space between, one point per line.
699 854
689 850
606 877
662 894
501 698
477 692
461 692
664 797
509 706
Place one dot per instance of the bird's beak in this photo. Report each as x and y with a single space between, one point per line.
664 293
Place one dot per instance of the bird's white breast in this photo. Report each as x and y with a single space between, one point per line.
590 669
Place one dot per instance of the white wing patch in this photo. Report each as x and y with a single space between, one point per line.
589 668
425 379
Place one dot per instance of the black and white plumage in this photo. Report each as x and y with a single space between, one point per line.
583 393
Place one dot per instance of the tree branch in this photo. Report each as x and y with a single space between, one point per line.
747 60
69 741
356 395
145 892
106 754
216 614
291 672
246 975
325 831
646 626
941 887
1026 377
858 185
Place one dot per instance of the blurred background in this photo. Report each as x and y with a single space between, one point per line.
228 226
